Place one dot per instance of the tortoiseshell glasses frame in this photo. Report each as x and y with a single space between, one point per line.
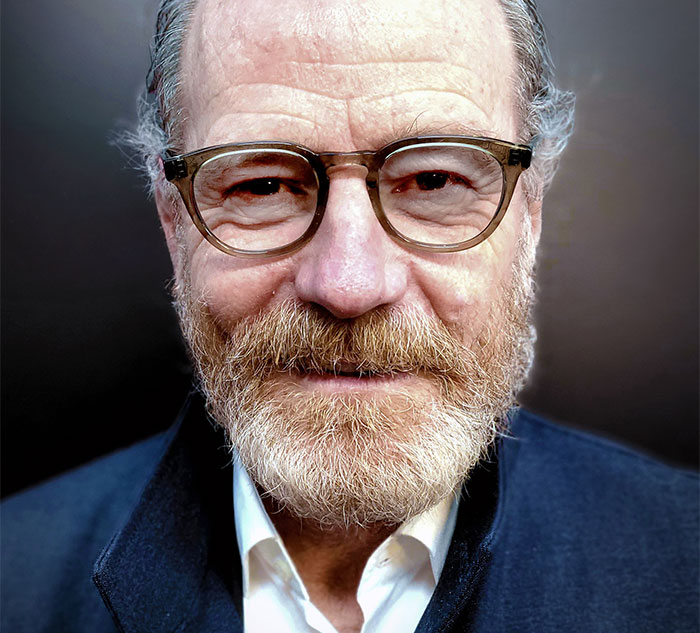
512 158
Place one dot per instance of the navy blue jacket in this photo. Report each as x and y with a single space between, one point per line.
559 532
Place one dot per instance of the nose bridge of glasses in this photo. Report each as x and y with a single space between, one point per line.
347 161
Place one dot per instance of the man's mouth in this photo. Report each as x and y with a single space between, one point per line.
348 369
346 377
353 373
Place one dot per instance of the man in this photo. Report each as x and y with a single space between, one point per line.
351 194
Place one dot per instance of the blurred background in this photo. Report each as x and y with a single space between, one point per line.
91 357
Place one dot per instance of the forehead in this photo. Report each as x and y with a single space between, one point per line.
339 75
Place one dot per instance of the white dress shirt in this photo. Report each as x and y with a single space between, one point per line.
396 585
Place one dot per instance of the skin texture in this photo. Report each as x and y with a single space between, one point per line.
340 76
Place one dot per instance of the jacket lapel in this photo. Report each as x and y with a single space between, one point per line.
174 565
452 605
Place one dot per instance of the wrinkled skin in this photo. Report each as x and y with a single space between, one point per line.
293 74
347 76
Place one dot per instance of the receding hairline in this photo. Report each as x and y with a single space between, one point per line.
470 81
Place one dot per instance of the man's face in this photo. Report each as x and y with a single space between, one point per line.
347 76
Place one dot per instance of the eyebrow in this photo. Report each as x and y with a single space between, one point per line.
449 128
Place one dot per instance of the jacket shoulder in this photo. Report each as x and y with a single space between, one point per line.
582 459
571 475
52 534
584 520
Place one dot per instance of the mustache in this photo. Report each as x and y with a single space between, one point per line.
306 338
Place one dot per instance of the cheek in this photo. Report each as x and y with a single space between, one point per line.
233 288
462 287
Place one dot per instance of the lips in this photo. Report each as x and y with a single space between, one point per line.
350 371
345 378
359 370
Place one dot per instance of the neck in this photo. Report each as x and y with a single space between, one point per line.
330 561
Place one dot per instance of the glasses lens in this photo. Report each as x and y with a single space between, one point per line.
256 199
440 193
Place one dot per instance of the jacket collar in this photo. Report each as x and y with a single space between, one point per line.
175 564
479 517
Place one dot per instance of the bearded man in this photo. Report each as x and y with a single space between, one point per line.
351 195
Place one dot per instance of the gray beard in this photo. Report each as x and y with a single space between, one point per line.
358 460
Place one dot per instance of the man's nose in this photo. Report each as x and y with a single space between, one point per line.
351 265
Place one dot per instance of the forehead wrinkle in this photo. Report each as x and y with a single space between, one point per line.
239 90
265 102
285 115
232 133
462 117
343 81
293 94
261 103
472 104
228 128
389 60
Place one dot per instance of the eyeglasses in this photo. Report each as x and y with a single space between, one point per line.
432 193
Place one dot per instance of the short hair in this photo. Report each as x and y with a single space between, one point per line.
546 111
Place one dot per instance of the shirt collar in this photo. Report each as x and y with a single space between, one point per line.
254 528
253 525
434 529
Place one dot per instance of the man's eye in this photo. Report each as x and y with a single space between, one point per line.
447 182
257 187
429 180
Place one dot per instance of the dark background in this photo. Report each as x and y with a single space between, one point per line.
91 358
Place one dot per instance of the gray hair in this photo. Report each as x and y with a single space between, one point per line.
547 112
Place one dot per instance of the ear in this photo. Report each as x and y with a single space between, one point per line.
168 212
